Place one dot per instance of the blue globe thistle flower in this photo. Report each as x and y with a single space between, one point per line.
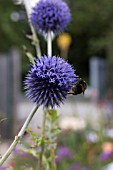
50 15
49 81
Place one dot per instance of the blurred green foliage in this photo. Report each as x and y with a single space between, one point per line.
10 32
74 152
91 30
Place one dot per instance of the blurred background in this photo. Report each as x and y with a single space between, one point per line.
88 45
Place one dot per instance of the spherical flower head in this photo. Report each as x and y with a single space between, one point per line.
49 81
50 15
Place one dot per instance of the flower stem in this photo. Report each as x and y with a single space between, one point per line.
34 35
19 136
49 43
40 159
35 41
52 150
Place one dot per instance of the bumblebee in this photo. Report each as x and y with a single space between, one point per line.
79 87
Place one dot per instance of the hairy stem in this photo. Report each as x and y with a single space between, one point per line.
40 158
52 150
53 163
19 136
36 41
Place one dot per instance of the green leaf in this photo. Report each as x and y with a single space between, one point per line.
56 131
31 133
53 114
38 141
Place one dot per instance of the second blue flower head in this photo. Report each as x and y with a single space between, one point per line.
50 15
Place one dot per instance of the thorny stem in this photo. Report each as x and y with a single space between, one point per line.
19 136
49 43
40 158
